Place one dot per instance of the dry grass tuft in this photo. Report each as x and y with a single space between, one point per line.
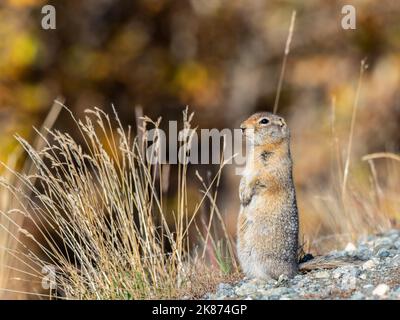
100 220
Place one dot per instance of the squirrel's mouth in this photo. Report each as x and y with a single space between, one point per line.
248 133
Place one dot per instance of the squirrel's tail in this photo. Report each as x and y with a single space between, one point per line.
324 262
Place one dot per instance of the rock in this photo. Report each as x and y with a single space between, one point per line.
363 276
383 253
298 277
246 289
348 282
370 264
364 254
348 276
396 293
302 283
388 260
380 255
396 260
350 247
357 296
367 290
393 232
286 297
381 290
382 243
321 275
283 279
368 286
277 291
262 292
225 289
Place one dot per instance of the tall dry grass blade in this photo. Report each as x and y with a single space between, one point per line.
363 67
12 219
336 144
285 57
380 155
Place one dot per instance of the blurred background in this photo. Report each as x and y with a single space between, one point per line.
223 58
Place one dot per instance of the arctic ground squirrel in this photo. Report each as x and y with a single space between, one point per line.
268 224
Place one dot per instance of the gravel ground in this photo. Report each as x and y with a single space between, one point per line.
374 274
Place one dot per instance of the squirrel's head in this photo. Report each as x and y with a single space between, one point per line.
265 128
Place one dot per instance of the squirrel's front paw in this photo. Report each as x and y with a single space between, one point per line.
248 191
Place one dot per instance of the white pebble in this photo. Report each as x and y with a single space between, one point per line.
322 274
381 290
368 265
350 247
363 276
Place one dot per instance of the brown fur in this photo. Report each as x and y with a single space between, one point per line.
268 219
323 262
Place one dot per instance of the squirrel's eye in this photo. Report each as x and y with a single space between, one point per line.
264 121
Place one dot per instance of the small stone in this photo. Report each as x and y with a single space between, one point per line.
396 260
350 247
357 296
382 243
393 232
383 253
346 271
224 289
274 292
263 292
223 286
271 282
388 260
394 237
246 289
348 282
364 254
322 274
381 290
283 279
370 264
368 286
302 283
363 276
396 293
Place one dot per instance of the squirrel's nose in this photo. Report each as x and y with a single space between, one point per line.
243 127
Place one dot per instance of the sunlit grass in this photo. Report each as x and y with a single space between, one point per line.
100 220
91 220
346 207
